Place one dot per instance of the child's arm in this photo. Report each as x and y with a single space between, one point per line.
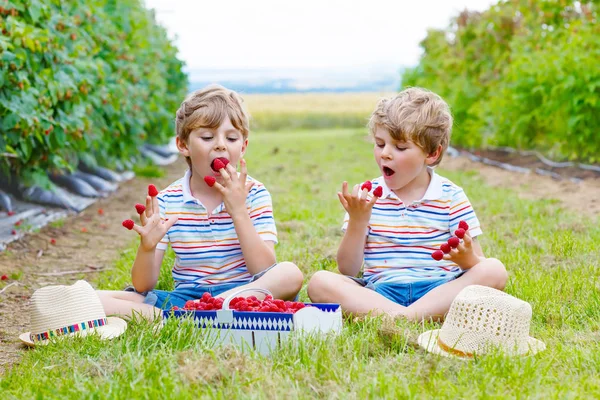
351 251
146 267
258 253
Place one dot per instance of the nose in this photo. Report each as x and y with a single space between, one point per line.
386 152
220 143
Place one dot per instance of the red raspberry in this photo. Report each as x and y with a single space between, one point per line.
152 191
3 277
218 163
18 223
100 211
454 242
210 180
367 185
460 233
140 208
463 225
445 248
128 224
10 213
205 296
378 191
437 255
13 232
175 308
52 241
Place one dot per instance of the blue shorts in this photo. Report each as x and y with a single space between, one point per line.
405 293
165 299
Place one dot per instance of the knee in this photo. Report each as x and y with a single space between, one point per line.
494 274
293 275
319 285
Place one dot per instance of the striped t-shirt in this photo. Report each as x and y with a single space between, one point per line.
207 250
401 238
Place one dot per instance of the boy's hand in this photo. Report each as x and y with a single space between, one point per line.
464 255
152 229
234 189
356 204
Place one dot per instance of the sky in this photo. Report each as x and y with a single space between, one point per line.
305 34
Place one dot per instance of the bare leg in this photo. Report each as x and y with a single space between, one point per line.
329 287
125 304
284 281
435 304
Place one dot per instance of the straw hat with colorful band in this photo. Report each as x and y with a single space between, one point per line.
62 311
481 320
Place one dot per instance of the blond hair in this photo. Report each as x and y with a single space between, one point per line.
208 108
418 115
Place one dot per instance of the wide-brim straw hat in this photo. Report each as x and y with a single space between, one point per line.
65 311
483 320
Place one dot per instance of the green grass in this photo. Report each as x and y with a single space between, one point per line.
551 253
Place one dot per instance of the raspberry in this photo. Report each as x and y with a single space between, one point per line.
378 191
367 185
140 208
3 277
13 232
218 163
52 241
128 224
18 223
205 296
454 242
437 255
100 211
210 180
463 225
10 213
152 191
175 308
445 248
460 233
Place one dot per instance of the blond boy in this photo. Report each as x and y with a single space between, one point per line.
393 236
223 235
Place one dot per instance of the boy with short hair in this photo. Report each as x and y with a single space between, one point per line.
409 213
219 222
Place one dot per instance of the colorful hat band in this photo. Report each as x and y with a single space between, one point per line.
82 326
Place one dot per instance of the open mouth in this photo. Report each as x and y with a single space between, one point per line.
223 160
388 171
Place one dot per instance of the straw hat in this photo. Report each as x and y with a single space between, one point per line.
482 319
58 311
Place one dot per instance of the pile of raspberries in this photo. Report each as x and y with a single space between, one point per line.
452 243
209 303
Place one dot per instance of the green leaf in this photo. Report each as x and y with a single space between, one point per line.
35 10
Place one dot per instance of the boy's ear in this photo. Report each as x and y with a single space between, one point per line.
182 147
244 146
432 157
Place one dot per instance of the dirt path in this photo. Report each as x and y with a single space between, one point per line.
583 197
87 241
91 240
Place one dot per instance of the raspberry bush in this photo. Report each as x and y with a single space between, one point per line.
82 81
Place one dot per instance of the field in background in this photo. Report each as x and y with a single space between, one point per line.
311 111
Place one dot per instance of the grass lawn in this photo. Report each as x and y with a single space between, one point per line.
552 255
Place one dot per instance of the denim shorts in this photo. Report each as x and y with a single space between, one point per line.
405 293
165 300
